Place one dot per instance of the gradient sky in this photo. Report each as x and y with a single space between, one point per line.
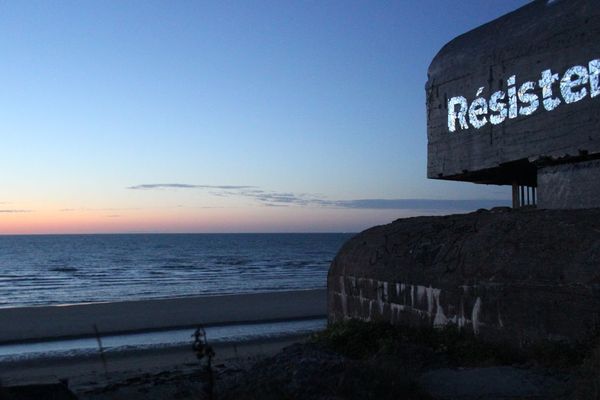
223 116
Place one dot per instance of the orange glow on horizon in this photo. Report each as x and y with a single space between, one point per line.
181 220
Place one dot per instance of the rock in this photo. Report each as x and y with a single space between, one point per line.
493 383
298 371
509 276
311 372
55 391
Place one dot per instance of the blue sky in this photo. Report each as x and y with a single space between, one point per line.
305 107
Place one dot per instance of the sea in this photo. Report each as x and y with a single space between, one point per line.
67 269
41 270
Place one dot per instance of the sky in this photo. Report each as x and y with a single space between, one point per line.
223 116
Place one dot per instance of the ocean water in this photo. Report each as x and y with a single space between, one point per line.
66 269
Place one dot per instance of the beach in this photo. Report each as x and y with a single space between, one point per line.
170 367
149 337
47 322
104 311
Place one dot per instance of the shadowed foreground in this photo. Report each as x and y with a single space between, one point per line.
360 360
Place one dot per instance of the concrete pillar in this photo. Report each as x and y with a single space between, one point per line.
573 185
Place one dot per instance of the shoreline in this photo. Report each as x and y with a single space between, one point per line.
56 322
158 298
114 345
86 373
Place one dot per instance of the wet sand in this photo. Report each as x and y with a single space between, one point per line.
174 367
47 322
89 373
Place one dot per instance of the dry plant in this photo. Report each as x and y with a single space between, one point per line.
101 350
204 350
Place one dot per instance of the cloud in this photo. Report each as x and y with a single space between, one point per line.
14 211
421 204
286 199
281 198
291 199
147 186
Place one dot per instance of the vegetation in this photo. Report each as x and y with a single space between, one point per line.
363 340
204 351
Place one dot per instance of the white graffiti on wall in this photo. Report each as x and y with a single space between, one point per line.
423 301
575 85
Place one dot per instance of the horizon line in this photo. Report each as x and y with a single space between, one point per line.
181 233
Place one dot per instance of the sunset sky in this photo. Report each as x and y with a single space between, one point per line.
223 116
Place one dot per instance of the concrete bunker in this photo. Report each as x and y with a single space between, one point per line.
510 276
517 102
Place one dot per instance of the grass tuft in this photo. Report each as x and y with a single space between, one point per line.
362 340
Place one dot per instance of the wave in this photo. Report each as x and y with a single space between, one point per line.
64 269
184 267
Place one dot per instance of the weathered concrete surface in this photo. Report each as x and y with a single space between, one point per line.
541 35
575 185
507 275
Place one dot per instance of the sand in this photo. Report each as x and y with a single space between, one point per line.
90 371
47 322
127 374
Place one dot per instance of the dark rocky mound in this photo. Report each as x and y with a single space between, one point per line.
360 360
311 372
56 391
509 276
